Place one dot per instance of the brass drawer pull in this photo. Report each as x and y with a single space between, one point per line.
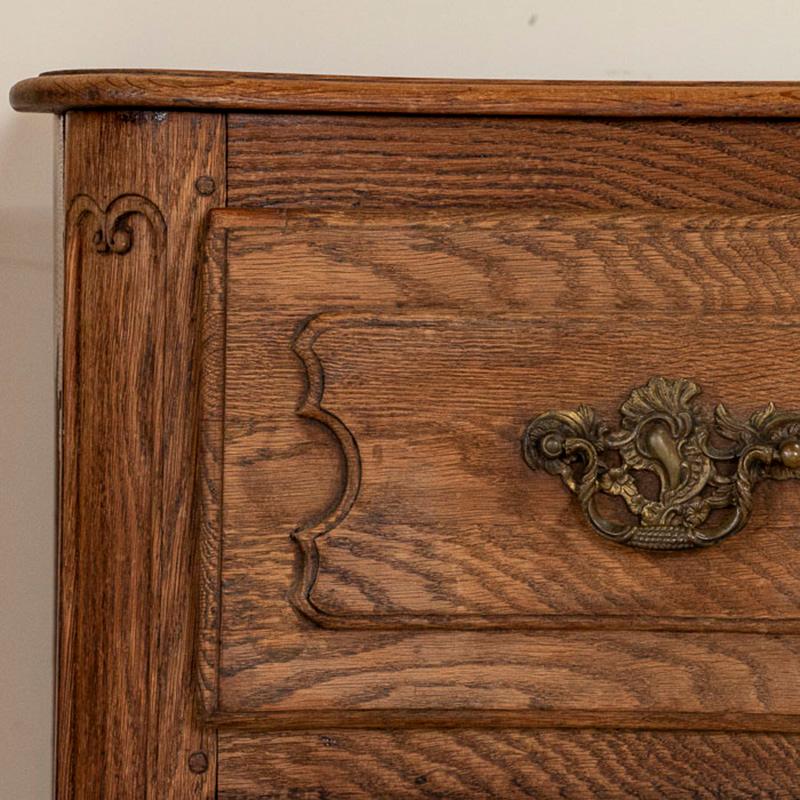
665 432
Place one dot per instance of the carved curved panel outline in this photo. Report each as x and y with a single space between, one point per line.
311 408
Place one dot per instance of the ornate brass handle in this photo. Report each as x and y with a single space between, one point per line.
706 487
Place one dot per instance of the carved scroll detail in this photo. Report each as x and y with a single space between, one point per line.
665 432
311 408
112 232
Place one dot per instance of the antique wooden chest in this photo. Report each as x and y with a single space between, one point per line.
427 438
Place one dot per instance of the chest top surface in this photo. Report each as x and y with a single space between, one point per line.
185 89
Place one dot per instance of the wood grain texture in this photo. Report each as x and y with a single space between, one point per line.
60 91
210 476
438 335
571 765
127 723
545 676
352 161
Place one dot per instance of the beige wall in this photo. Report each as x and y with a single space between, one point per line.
616 39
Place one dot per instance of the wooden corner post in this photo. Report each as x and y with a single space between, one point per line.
137 188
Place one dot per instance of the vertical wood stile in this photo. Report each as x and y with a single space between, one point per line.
127 724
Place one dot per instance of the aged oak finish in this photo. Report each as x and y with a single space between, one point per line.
512 764
65 90
307 323
550 163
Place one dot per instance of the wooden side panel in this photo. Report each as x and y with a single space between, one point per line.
513 764
351 161
127 725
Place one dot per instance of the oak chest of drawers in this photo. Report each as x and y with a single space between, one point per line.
427 438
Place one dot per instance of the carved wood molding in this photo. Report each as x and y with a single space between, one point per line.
112 233
311 408
209 472
132 237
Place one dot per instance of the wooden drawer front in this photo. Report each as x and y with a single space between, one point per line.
360 160
513 764
375 546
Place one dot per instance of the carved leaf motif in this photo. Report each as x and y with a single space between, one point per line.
759 419
659 395
730 427
740 431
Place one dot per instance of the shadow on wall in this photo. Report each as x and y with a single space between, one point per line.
26 190
27 458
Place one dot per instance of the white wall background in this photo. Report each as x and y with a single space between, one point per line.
614 39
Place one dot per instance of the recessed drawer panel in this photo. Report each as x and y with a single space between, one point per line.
502 468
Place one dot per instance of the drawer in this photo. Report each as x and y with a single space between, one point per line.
553 163
500 468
